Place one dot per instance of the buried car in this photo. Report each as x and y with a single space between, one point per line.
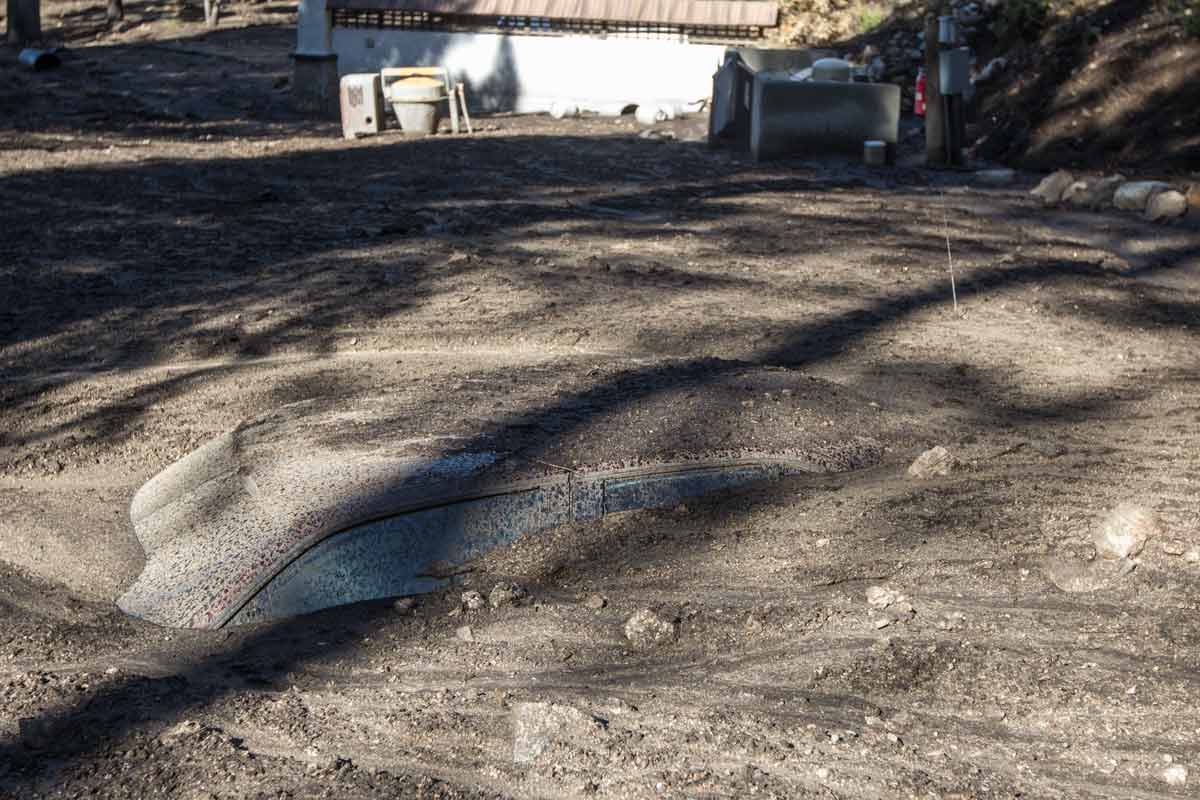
317 505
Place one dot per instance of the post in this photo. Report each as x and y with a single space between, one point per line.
314 63
24 21
935 126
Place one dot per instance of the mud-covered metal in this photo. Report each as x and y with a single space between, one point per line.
392 556
308 507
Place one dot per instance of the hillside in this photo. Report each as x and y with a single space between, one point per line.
1086 85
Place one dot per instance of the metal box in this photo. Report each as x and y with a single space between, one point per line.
362 105
954 71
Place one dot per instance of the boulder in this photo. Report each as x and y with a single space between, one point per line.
1050 190
1096 193
1134 195
1167 204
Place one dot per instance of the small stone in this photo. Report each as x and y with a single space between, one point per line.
537 725
1174 548
893 738
1134 195
1192 556
1125 531
657 135
465 633
1175 775
933 462
596 601
473 600
507 594
882 623
1050 190
183 730
647 629
1166 205
822 773
882 597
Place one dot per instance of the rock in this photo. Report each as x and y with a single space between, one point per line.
647 629
596 601
1051 188
1175 775
405 605
933 462
1174 548
1093 194
176 733
473 600
537 725
1167 204
1076 194
507 594
561 110
652 114
1134 195
1125 531
465 633
995 177
1192 556
882 597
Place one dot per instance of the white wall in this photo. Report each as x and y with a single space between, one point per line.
528 73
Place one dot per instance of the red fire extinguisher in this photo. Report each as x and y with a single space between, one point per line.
919 100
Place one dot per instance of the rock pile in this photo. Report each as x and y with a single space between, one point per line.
1156 200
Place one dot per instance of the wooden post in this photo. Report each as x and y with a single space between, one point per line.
935 128
24 21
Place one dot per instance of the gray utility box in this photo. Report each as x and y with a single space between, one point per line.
954 70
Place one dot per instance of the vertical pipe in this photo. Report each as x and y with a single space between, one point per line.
935 130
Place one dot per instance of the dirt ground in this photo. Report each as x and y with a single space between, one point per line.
180 252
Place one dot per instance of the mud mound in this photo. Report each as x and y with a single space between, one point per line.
366 478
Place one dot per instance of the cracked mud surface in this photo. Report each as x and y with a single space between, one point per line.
157 294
